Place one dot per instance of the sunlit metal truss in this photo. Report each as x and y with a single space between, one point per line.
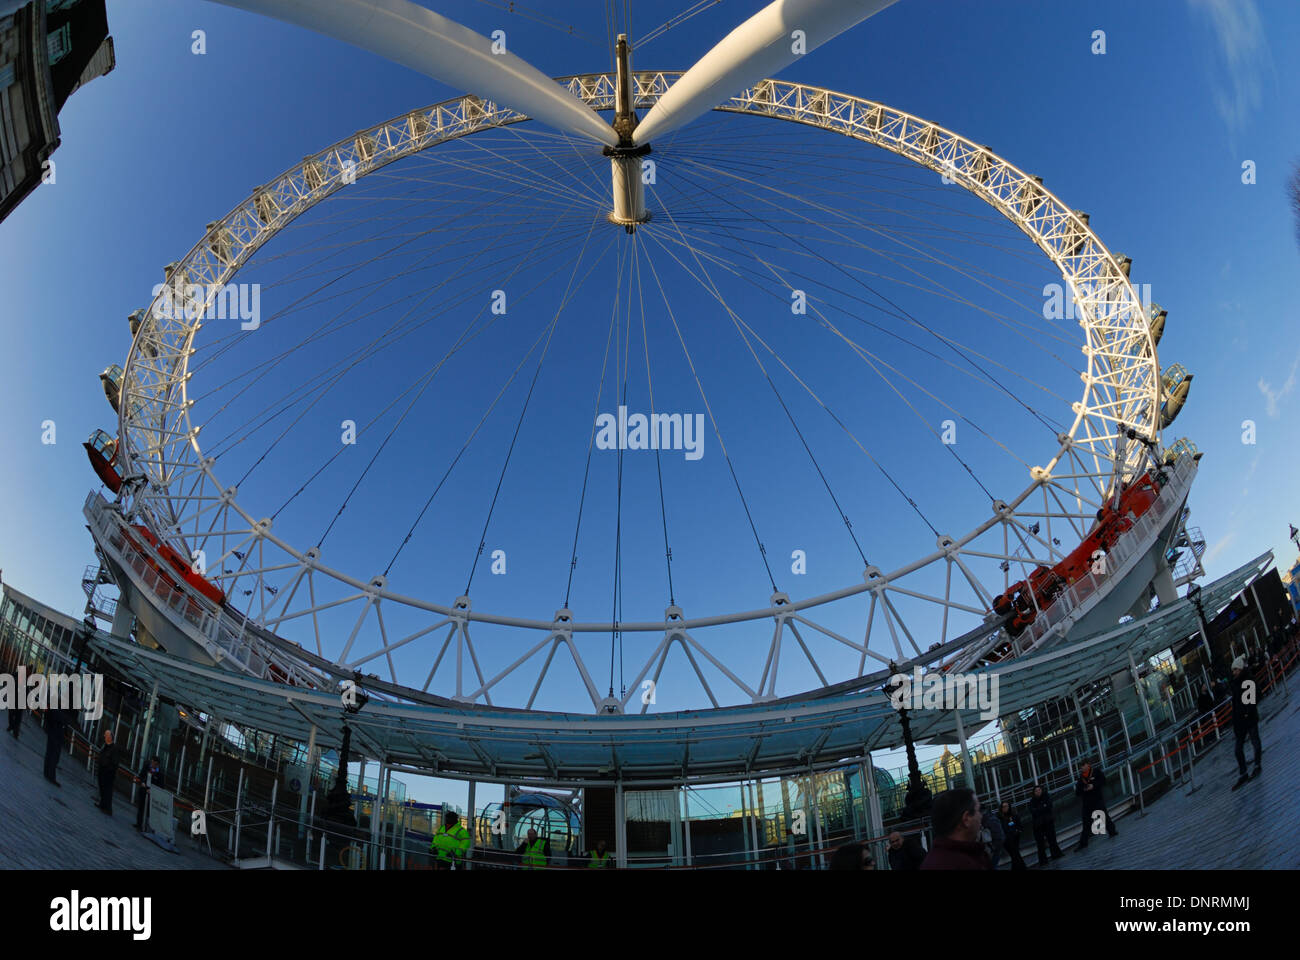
174 488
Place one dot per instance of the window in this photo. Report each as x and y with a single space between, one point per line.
59 43
6 76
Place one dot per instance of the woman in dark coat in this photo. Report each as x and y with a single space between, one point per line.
1044 820
1011 830
1091 790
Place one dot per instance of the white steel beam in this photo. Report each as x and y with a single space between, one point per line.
764 44
416 37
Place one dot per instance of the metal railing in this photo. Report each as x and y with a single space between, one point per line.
236 646
1132 542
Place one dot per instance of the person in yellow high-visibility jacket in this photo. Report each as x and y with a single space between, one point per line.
600 857
534 851
450 842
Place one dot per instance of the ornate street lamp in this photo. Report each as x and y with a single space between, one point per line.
917 801
1194 595
338 802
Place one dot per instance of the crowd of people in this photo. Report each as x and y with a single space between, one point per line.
108 759
969 836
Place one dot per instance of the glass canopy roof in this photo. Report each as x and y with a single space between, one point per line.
781 736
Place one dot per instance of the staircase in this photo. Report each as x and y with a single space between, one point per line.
98 606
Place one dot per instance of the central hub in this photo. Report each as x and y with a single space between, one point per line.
625 159
629 188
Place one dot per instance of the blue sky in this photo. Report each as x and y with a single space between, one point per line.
1149 138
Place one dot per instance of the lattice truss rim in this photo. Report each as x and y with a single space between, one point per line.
183 500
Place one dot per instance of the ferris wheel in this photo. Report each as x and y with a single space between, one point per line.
818 308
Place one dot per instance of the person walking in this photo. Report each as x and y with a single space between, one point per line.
1044 820
1090 788
905 853
109 760
994 836
150 776
1245 718
1011 830
56 720
450 843
956 818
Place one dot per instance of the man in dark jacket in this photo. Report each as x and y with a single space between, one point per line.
15 721
1221 691
1245 717
1204 706
150 775
1012 830
956 818
1044 820
109 759
1090 788
1205 702
905 853
56 720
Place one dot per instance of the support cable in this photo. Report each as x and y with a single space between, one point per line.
762 550
564 302
663 509
591 442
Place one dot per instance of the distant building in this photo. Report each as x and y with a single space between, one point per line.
31 632
947 772
1291 580
48 49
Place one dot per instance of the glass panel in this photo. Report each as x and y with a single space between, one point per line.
652 834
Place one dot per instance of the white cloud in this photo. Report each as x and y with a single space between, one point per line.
1245 54
1271 396
1217 549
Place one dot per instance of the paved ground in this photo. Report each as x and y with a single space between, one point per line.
1213 827
49 827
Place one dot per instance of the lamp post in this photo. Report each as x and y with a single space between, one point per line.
1194 595
338 802
81 650
917 801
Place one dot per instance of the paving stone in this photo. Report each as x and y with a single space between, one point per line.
1208 825
49 827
